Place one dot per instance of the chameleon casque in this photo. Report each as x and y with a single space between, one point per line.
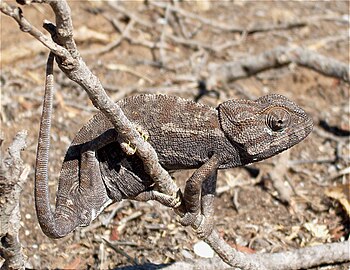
185 135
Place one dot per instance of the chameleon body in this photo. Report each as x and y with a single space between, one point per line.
185 135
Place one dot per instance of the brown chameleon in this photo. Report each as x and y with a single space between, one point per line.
185 134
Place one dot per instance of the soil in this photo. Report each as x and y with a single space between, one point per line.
249 212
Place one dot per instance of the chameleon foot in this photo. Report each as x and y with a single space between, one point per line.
188 219
128 149
204 226
144 134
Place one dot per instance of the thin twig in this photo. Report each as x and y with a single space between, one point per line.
25 26
230 27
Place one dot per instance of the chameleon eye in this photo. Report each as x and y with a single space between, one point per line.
277 119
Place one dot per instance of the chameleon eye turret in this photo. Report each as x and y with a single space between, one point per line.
277 119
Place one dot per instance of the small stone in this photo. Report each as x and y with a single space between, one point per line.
203 250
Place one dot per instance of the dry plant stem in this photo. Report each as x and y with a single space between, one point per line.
302 258
307 257
277 176
274 58
135 17
25 26
13 174
232 256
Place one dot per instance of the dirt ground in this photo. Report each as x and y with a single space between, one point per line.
250 214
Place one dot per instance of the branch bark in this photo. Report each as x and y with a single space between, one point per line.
302 258
13 174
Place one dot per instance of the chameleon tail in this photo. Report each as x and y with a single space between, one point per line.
52 226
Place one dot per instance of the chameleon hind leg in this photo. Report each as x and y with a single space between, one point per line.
91 189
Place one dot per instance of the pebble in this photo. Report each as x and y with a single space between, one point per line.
203 250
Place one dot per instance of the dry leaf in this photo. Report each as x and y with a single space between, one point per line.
341 193
317 230
244 249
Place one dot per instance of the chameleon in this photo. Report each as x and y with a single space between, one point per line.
186 135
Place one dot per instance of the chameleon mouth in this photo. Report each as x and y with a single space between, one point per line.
304 129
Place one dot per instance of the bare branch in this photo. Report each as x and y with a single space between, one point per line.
232 256
25 26
274 58
302 258
13 174
306 257
135 17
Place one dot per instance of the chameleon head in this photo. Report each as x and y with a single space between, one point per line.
264 127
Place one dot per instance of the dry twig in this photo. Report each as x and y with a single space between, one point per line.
261 27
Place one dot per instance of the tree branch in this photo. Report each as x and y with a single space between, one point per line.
13 174
277 57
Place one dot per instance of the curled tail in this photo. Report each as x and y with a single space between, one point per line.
54 227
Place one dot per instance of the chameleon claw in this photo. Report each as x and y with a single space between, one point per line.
143 133
203 226
177 199
128 149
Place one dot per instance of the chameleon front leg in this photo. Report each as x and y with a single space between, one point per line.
202 181
206 225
